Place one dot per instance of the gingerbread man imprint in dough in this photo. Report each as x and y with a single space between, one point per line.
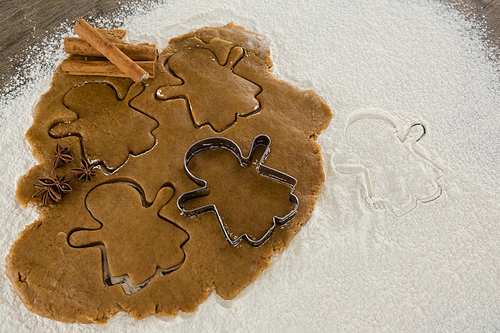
121 129
135 242
216 96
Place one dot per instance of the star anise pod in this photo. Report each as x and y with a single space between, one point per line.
47 193
62 156
84 171
61 185
51 189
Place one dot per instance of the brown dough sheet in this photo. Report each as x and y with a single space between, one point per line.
211 82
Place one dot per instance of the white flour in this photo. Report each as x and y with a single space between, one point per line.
405 236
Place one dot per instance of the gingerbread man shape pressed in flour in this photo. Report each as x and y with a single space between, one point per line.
396 172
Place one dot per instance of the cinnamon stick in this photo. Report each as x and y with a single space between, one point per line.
102 68
110 51
78 46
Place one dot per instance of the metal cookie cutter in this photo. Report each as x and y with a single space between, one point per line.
224 143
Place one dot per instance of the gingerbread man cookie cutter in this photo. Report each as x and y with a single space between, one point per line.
265 171
125 281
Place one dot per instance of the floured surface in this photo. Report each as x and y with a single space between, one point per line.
353 267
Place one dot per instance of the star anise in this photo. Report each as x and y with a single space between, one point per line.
51 189
62 156
47 193
84 171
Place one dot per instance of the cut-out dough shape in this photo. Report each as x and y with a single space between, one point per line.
137 240
395 172
215 94
121 130
239 189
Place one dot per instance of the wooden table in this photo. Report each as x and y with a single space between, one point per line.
25 22
489 10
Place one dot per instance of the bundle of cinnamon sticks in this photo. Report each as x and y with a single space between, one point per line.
99 56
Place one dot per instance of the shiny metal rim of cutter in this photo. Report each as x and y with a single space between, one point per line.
275 175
